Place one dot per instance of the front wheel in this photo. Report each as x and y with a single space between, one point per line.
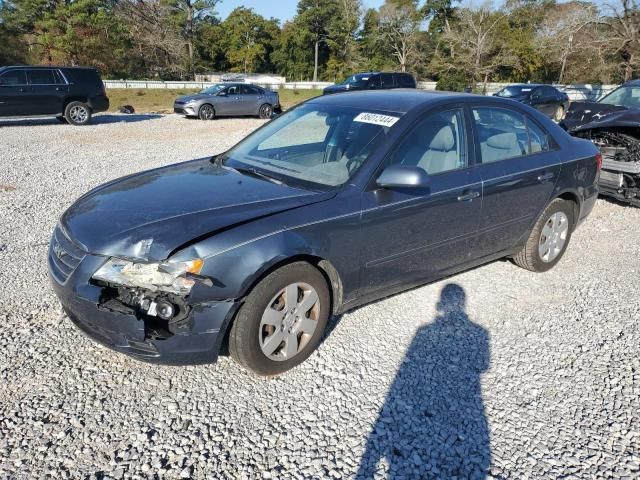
266 111
282 320
77 113
206 112
549 238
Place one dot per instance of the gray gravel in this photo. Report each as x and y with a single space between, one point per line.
529 376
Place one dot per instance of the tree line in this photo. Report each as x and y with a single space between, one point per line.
452 42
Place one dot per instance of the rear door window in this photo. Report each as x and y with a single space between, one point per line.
505 134
502 134
386 80
248 90
538 138
13 77
374 81
404 81
41 77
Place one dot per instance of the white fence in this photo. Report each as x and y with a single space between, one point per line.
575 92
154 84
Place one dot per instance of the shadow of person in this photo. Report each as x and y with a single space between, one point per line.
432 424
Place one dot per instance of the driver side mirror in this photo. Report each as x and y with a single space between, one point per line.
403 176
223 93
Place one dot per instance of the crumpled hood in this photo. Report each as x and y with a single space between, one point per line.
589 115
151 214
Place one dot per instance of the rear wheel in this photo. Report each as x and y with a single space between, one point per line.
265 111
77 113
282 320
549 238
206 112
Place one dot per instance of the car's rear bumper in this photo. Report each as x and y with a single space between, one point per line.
195 340
99 103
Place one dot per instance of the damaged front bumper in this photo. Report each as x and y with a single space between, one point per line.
193 337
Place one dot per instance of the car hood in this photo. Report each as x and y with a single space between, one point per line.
590 115
151 214
195 96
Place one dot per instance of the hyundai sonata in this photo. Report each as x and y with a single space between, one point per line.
340 201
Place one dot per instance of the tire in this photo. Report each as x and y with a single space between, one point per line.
77 113
558 115
265 111
557 222
206 112
266 323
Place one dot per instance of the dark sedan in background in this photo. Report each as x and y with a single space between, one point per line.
372 81
340 201
228 99
545 98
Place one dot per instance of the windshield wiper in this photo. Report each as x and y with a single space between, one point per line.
256 173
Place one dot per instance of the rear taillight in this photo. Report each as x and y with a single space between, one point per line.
599 161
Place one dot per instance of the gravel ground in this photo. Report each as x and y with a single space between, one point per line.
495 370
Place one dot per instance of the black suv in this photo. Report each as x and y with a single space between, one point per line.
72 94
373 81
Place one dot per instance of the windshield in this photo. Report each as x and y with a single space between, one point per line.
356 80
623 96
213 89
313 145
515 91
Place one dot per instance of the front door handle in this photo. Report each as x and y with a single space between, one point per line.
468 195
543 177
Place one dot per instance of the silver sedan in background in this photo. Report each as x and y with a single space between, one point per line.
228 99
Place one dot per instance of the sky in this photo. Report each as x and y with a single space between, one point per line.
280 9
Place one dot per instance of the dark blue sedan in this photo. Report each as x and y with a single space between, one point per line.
340 201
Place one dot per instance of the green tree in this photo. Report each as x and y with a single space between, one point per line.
374 50
292 57
314 18
342 37
186 15
249 40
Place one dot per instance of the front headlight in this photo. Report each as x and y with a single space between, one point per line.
170 277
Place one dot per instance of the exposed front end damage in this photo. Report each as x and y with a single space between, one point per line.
162 314
615 131
620 175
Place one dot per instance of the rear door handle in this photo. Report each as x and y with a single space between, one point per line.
468 196
543 177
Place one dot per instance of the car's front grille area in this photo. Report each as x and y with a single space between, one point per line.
64 256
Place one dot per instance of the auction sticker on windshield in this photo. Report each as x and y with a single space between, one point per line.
376 119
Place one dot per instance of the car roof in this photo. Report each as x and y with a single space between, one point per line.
29 67
400 100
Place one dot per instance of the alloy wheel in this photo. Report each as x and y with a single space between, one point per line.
266 111
289 321
78 114
206 112
553 237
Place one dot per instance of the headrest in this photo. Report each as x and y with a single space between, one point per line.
444 140
503 141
